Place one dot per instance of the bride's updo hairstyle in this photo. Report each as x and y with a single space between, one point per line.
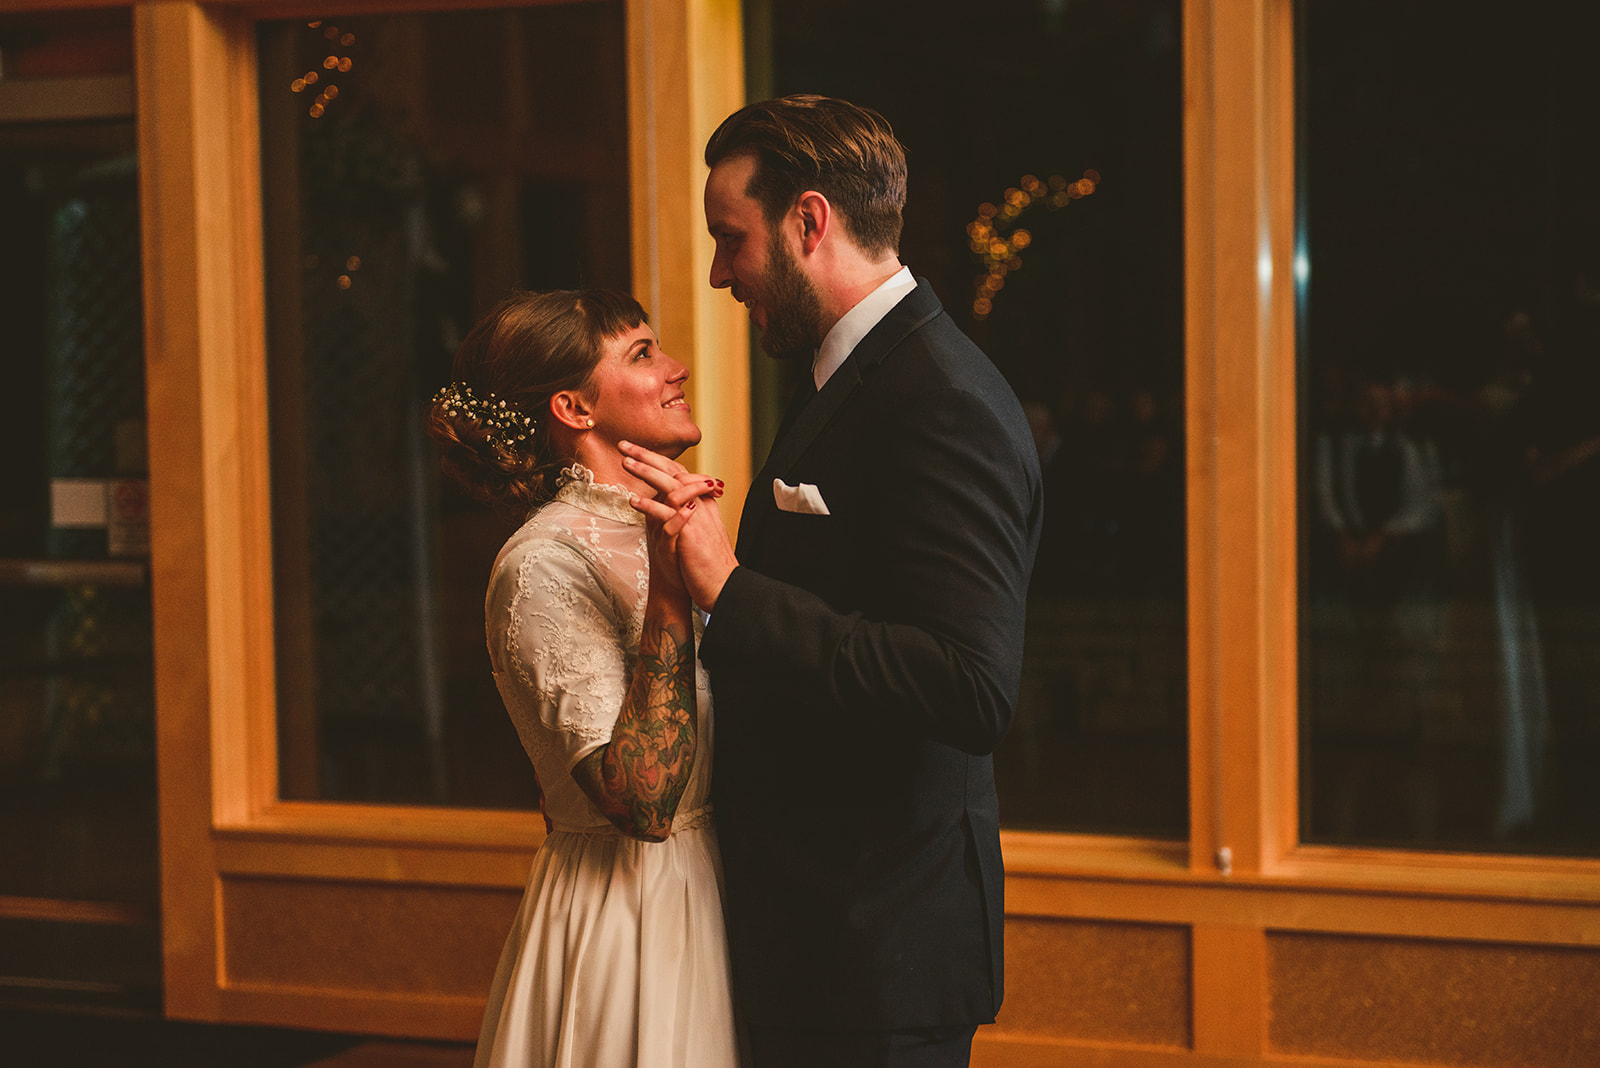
492 423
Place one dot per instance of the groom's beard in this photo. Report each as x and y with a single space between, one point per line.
793 307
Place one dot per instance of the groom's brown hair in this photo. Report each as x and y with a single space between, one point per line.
846 152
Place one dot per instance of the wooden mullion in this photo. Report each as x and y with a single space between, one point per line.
167 85
1240 389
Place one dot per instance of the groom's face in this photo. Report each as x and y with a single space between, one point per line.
753 261
793 308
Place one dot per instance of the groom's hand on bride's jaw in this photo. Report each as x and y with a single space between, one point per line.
705 555
686 505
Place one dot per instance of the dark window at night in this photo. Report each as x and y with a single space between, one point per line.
415 168
1070 114
1450 426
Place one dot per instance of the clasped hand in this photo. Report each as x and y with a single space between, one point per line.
685 524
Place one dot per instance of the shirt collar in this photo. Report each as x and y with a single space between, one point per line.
857 323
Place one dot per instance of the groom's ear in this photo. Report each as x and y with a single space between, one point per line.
571 408
815 215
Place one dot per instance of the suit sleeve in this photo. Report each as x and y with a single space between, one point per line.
946 557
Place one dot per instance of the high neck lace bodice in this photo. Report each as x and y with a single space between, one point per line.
598 498
564 619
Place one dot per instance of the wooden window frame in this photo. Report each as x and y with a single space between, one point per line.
1239 231
1241 446
211 552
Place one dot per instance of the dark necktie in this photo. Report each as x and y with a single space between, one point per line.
804 390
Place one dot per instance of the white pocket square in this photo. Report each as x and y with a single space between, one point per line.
804 498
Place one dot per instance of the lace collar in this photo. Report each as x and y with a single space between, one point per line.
580 490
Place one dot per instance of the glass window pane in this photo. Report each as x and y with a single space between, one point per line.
77 688
1450 436
415 169
1044 143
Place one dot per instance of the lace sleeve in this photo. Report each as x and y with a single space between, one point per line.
559 655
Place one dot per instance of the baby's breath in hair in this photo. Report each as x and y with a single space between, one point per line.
503 424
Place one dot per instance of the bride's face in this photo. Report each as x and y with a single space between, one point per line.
638 394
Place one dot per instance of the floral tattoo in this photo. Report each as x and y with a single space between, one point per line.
637 778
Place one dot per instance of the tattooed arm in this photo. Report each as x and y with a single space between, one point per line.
637 779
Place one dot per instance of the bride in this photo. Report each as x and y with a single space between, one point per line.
618 956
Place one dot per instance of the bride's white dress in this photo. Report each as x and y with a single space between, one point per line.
618 956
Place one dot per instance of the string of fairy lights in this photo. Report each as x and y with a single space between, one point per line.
996 239
332 64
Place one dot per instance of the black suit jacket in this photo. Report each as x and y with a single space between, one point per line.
864 664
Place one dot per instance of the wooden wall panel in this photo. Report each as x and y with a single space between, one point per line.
1114 982
419 941
1411 1000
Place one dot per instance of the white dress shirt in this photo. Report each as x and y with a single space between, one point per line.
857 323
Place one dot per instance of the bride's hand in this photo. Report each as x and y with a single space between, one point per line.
678 494
704 552
662 527
678 490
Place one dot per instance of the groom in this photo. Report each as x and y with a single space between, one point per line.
865 641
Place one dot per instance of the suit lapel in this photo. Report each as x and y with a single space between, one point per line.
915 310
757 501
918 306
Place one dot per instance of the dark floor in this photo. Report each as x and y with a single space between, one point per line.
55 1038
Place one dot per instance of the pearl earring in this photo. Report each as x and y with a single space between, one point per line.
588 423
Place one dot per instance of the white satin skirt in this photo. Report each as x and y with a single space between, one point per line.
618 958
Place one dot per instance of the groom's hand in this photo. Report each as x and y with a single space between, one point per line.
686 507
